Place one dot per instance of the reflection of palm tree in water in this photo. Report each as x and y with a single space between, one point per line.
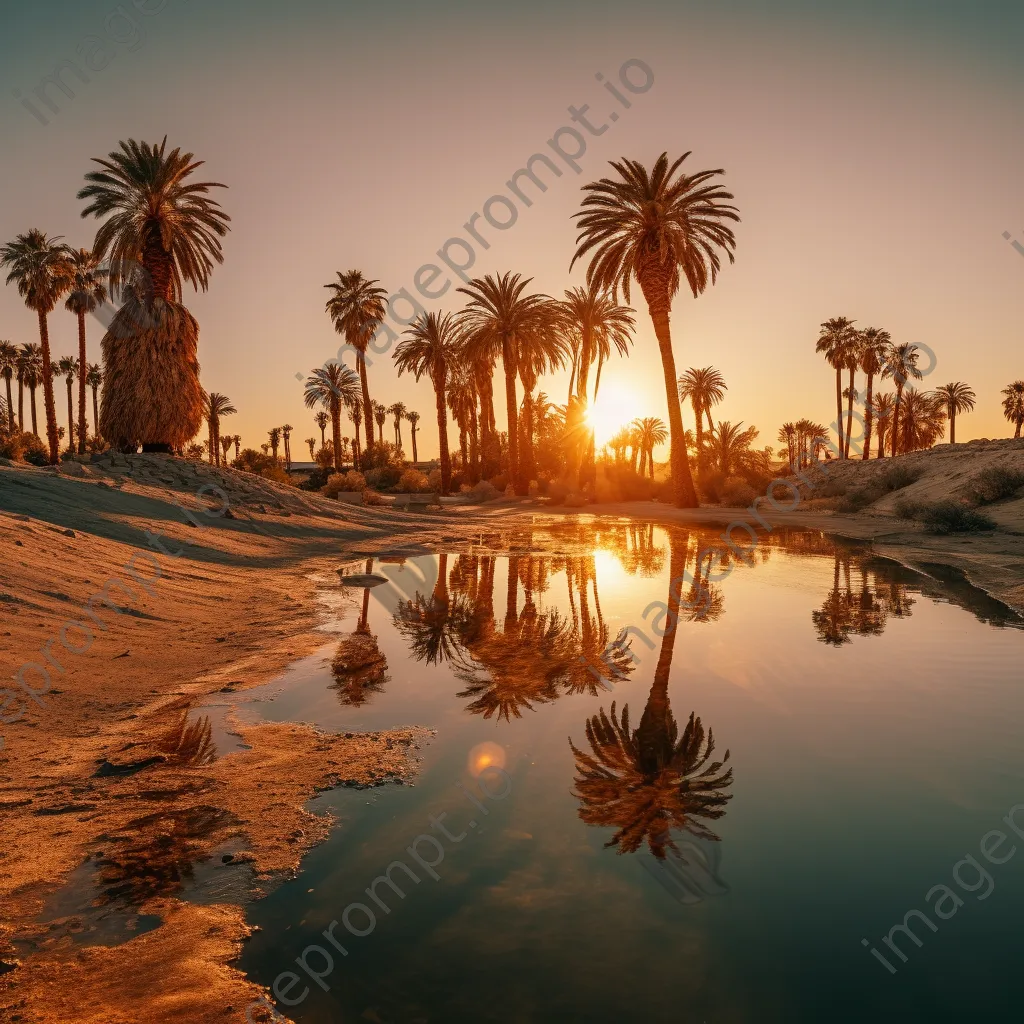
360 668
650 781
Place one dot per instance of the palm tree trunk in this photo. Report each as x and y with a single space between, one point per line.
529 462
21 406
209 440
511 592
698 415
881 444
896 420
415 457
367 407
96 409
48 402
71 414
323 437
650 462
356 447
849 413
508 362
952 422
35 420
336 433
655 289
868 418
474 444
464 446
10 405
442 434
82 367
839 412
216 439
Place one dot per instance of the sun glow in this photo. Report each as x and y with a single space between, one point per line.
483 756
614 408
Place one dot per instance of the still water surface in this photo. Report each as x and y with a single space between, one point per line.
630 870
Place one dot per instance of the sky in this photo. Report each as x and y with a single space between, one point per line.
873 148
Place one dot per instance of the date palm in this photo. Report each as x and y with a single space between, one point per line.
652 433
88 293
30 372
355 414
67 367
8 366
658 228
704 388
40 268
502 320
874 351
429 347
901 366
837 341
730 452
538 354
1013 405
882 407
162 230
923 419
461 397
332 386
788 435
236 441
274 433
286 434
414 419
321 419
957 397
357 307
225 446
216 406
397 410
94 378
311 442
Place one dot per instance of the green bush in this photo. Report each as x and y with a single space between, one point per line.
993 484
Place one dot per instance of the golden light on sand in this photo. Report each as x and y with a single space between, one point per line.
485 755
614 408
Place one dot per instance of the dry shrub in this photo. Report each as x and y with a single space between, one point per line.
735 491
993 484
412 481
338 482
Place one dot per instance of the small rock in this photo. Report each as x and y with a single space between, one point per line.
70 533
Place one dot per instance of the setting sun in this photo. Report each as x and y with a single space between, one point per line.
614 408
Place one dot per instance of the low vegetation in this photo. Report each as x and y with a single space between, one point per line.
993 484
945 516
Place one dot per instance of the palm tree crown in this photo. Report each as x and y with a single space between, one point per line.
956 397
1013 405
332 386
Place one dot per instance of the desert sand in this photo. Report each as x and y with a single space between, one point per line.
225 589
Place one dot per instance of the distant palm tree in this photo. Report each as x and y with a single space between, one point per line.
922 421
398 411
500 320
357 307
8 365
67 367
286 434
355 411
88 292
236 441
414 419
1013 405
788 435
167 224
460 392
321 419
41 269
648 226
729 449
429 346
874 351
882 407
332 386
225 446
215 406
311 441
275 440
704 388
31 373
957 398
652 433
901 366
837 341
94 378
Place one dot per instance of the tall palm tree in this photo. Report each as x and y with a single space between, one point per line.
397 409
1013 405
704 388
8 365
358 306
159 219
655 227
429 346
41 269
882 407
321 419
31 372
788 435
500 320
94 378
652 433
380 414
332 386
837 340
414 419
957 397
274 433
67 367
460 393
236 441
311 441
217 405
88 292
539 353
901 366
286 434
874 351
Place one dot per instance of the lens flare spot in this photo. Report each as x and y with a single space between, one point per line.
485 755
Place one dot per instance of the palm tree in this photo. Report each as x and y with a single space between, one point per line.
8 365
236 441
901 366
286 434
923 419
874 351
321 419
1013 405
957 398
88 292
500 319
168 225
882 407
225 446
429 346
652 433
94 378
414 419
539 353
729 450
216 405
837 341
652 227
332 386
357 307
704 388
788 435
275 440
67 367
355 411
41 269
461 397
31 373
398 411
311 441
380 414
